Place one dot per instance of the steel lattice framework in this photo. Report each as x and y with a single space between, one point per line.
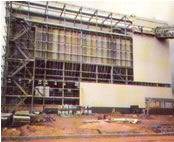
51 47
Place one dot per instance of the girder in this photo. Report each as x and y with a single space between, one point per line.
166 32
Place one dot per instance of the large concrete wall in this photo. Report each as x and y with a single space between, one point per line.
151 59
111 95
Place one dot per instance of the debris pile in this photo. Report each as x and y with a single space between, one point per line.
43 118
116 114
163 128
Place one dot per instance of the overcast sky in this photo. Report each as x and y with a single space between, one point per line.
158 9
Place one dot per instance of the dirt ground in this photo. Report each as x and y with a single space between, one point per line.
117 139
75 125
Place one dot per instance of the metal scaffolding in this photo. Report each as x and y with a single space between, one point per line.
52 47
166 32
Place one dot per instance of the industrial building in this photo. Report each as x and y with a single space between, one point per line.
59 54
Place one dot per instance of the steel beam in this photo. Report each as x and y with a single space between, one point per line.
75 28
166 32
18 104
106 18
21 34
78 13
20 68
20 50
92 15
62 10
20 87
68 10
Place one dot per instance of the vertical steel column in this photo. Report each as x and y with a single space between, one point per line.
5 72
96 19
45 55
81 47
28 9
126 75
71 41
121 52
112 74
96 73
63 84
34 69
125 25
111 22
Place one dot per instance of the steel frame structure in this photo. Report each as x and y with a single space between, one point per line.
166 32
58 45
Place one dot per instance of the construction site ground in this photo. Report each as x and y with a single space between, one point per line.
108 139
75 125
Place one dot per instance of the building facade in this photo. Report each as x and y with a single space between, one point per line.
60 54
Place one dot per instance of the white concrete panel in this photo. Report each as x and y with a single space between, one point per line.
111 95
151 59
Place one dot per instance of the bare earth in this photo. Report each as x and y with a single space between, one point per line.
117 139
75 125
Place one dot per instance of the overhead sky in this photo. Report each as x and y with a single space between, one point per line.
157 9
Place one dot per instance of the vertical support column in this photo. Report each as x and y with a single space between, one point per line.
96 19
112 74
64 12
121 52
126 75
46 55
64 44
81 54
125 25
71 41
28 10
63 84
111 22
102 49
91 48
96 73
5 72
96 46
81 47
33 77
